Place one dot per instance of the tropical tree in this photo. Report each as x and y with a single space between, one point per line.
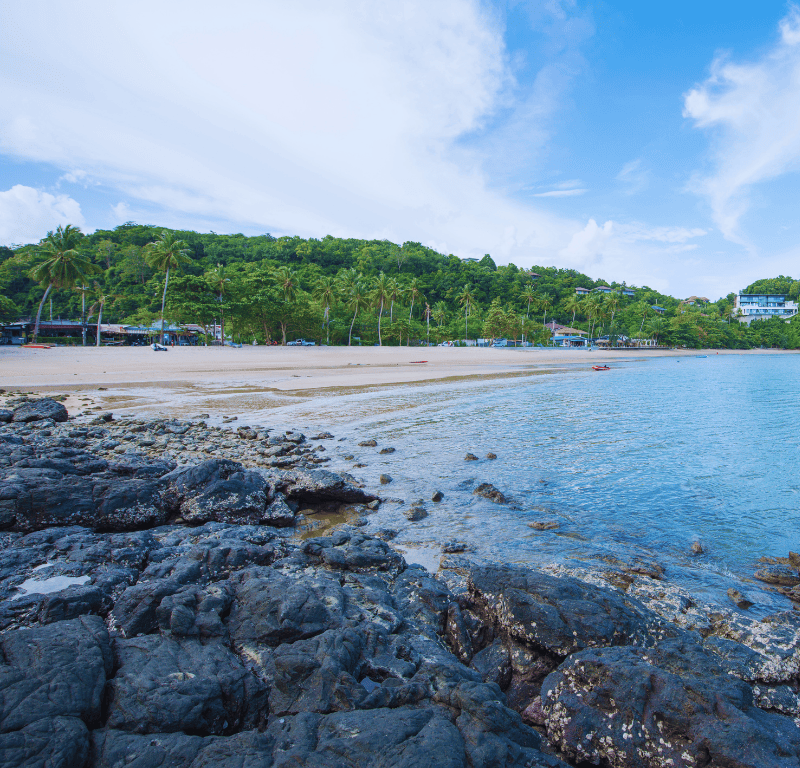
611 304
439 313
63 266
573 304
428 324
395 294
102 297
325 294
466 299
220 285
545 302
358 297
643 309
413 292
166 253
380 295
591 308
656 328
528 296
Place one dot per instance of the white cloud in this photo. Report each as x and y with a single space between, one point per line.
27 214
754 110
561 193
633 176
312 118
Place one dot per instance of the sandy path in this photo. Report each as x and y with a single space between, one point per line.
202 378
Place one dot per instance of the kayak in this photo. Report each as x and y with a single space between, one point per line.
418 361
600 368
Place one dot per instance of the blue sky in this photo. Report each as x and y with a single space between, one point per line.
653 143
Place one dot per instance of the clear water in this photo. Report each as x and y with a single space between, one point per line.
636 462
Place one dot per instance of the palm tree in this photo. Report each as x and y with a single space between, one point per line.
643 308
380 294
656 327
428 322
357 298
325 293
81 289
219 284
413 292
439 313
101 299
63 267
573 304
395 294
166 253
591 305
528 296
545 302
466 299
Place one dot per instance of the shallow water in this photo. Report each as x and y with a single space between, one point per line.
636 462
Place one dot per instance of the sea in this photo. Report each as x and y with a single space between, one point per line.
629 466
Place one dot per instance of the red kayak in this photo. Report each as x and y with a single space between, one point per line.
600 368
418 361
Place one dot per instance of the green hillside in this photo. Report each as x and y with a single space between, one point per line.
271 288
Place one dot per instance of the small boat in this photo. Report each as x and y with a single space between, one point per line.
701 356
37 346
417 362
600 368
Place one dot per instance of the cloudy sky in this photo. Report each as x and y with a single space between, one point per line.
648 142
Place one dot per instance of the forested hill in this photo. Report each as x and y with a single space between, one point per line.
333 288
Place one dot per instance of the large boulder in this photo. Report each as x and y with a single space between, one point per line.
561 615
38 410
316 486
674 704
219 490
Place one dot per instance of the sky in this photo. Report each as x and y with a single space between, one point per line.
652 143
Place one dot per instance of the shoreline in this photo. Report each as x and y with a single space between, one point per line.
110 374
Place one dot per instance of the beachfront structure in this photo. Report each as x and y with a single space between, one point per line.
580 291
762 306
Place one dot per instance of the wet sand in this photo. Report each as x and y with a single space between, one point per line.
133 378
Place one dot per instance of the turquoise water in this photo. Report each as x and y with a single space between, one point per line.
637 462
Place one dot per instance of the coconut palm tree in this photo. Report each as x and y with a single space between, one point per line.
395 294
545 302
413 292
219 284
656 327
166 253
63 267
325 293
102 298
466 299
528 296
380 295
428 323
358 298
591 308
439 313
573 304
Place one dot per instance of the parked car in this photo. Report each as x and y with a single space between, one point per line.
500 343
446 344
301 343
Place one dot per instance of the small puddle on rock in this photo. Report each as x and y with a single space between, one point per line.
428 557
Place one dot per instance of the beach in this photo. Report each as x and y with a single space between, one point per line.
129 379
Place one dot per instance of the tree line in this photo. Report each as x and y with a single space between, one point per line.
345 291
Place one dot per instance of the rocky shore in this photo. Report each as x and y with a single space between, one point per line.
158 609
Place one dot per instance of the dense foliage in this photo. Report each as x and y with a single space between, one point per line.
335 290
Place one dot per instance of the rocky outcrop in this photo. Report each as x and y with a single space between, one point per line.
38 410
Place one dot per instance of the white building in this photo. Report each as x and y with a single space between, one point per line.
762 306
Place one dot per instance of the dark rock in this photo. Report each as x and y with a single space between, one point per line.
58 670
368 443
316 486
488 491
470 457
166 685
545 525
437 496
669 705
390 449
782 575
739 599
416 512
6 416
37 410
73 602
58 742
454 547
561 615
385 479
491 455
218 490
323 436
697 548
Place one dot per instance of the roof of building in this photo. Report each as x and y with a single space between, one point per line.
695 298
571 331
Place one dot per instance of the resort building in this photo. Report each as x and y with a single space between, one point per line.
692 300
658 310
762 306
603 289
579 291
626 291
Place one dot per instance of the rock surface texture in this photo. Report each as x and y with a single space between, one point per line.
153 616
